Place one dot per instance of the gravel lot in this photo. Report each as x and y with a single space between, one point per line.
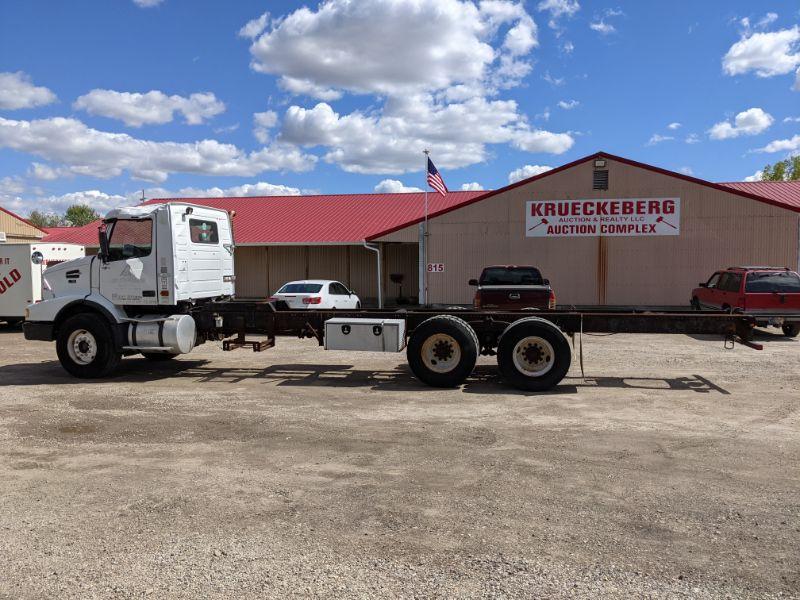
670 471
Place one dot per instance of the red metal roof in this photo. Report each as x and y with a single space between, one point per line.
333 219
783 192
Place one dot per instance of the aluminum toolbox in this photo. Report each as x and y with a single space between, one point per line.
374 335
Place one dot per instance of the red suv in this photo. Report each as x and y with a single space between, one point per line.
754 291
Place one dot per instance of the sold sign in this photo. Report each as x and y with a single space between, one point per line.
9 280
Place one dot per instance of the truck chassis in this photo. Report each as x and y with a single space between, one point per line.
532 347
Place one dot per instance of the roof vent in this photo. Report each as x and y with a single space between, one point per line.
600 179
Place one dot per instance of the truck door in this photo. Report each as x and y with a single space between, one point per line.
129 275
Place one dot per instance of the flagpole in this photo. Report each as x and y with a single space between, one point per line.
425 235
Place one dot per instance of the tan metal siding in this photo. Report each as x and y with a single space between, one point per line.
18 231
718 229
252 272
363 274
286 263
327 262
401 258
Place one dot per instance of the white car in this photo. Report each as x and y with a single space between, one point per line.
317 294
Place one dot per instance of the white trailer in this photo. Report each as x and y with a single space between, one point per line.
21 269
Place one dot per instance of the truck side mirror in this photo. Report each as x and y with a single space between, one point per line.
703 284
103 239
545 282
473 282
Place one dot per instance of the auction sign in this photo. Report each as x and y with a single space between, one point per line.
623 217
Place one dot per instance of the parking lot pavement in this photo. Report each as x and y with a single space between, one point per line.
670 470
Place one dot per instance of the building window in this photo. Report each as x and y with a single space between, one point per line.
600 180
203 232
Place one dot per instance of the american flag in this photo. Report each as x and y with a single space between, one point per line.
435 180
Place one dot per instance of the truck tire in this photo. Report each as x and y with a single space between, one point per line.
158 356
85 346
791 329
533 354
442 351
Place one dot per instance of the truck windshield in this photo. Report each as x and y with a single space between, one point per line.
130 239
300 288
782 282
511 276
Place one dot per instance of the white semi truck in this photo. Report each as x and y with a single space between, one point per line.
163 282
21 269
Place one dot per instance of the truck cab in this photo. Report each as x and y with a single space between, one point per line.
155 262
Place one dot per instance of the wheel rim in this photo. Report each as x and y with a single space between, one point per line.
441 353
533 356
82 347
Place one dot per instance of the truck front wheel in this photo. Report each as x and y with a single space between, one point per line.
85 347
442 351
533 355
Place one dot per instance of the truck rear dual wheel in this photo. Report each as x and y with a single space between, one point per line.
85 347
533 355
442 351
791 330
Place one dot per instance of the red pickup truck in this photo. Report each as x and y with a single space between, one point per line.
754 291
513 287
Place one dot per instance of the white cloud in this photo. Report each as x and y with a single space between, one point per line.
11 185
554 81
264 121
560 8
88 151
147 3
767 19
568 104
154 107
392 142
692 138
17 91
17 200
768 54
791 120
674 126
472 186
796 86
600 26
568 47
790 145
255 27
686 170
543 141
749 122
391 47
526 172
393 186
260 188
755 176
47 172
658 138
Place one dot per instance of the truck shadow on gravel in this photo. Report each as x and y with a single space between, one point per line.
484 379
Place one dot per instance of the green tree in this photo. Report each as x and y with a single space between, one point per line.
783 170
44 220
78 215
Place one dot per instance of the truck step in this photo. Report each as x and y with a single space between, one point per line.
241 342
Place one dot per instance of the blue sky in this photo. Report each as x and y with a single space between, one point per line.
100 99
